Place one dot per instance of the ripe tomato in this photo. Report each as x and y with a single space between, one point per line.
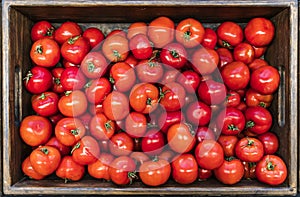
72 78
270 142
28 170
161 31
236 75
42 29
135 124
253 98
35 130
174 55
94 65
229 34
96 90
131 60
190 32
67 64
244 52
123 76
45 52
225 56
45 159
210 38
137 28
116 105
198 113
249 149
56 73
45 104
38 80
172 96
153 142
121 144
204 174
259 51
122 170
231 121
230 172
256 63
115 48
259 31
63 149
67 30
185 169
181 137
258 119
155 172
233 98
169 118
86 150
190 80
69 131
95 36
99 169
211 92
265 79
271 170
209 154
205 60
101 127
228 143
150 71
73 103
249 170
69 170
140 46
204 133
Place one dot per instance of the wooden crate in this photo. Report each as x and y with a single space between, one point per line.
19 16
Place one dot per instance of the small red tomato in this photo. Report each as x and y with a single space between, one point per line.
169 118
67 30
228 143
244 52
258 119
56 73
210 38
185 169
149 71
249 149
230 172
205 60
69 170
45 52
123 76
45 104
153 142
140 46
231 121
96 90
38 80
28 170
63 149
249 168
121 144
233 98
253 98
259 31
42 29
115 48
204 133
211 92
229 34
173 97
101 127
198 113
257 63
136 124
35 130
225 56
174 55
204 174
95 36
131 60
94 65
73 103
72 78
190 80
99 169
270 142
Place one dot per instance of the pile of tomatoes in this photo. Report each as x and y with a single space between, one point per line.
152 102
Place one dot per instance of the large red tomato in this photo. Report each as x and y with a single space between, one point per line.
230 172
69 170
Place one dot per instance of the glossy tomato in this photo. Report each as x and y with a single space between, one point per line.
42 29
140 46
249 149
123 76
244 52
73 103
63 149
204 133
153 142
258 119
210 38
95 36
257 63
69 170
56 73
229 34
149 71
270 142
136 124
38 80
198 113
96 90
172 96
72 78
233 98
137 28
94 65
121 144
254 98
190 80
205 60
211 92
115 48
169 118
174 55
228 143
225 56
231 121
45 104
99 169
101 127
67 30
28 170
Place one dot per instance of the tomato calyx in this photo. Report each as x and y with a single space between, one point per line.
43 96
226 44
45 151
91 67
28 76
88 84
250 124
151 125
262 104
174 53
162 94
230 158
132 176
75 147
155 54
75 131
191 129
270 166
39 49
73 39
117 54
49 32
187 35
67 93
107 125
232 127
57 81
111 80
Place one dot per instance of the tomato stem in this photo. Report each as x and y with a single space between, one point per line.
43 96
75 131
230 158
49 31
88 84
91 67
73 39
232 127
162 94
174 53
39 49
116 54
149 101
67 93
132 176
57 81
45 151
226 44
75 147
187 35
270 166
250 124
107 125
262 104
28 76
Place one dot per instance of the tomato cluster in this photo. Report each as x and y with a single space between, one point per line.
154 102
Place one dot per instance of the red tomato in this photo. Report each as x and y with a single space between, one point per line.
229 34
45 159
233 98
249 149
38 80
69 170
174 55
45 104
210 38
253 98
181 137
155 172
140 46
231 121
67 64
205 60
69 131
97 90
265 79
131 60
211 92
45 52
190 32
63 149
204 133
99 169
236 75
119 32
259 51
123 76
137 28
136 124
42 29
35 130
121 144
153 142
95 36
86 150
190 80
228 143
185 169
122 170
256 63
72 78
101 127
94 65
258 119
169 118
116 105
270 142
55 118
28 170
115 48
259 31
249 170
67 30
244 52
204 174
271 170
230 172
161 31
225 56
56 73
198 113
209 154
73 103
169 75
173 96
